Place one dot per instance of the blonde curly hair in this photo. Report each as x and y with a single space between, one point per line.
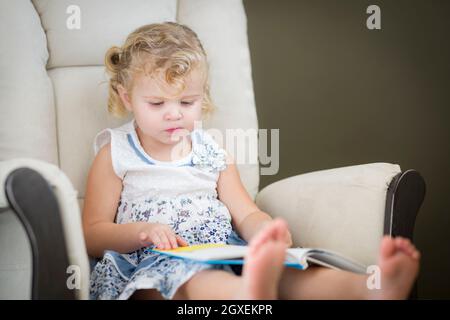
170 48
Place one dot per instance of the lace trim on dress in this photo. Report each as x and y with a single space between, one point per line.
207 155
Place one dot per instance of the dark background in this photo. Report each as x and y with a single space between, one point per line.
344 95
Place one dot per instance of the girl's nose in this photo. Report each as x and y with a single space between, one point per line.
173 114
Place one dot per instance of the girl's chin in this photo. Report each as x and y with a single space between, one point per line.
173 138
179 133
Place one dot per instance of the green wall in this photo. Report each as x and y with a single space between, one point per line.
345 95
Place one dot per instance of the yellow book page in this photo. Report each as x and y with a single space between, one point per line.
196 247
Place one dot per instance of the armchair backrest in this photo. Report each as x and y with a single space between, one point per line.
54 86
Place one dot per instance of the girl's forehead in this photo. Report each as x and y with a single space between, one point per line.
157 86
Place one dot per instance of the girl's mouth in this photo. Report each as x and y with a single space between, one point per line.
172 129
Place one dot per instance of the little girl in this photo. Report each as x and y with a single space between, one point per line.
159 181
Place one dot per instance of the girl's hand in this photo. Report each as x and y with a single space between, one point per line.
160 235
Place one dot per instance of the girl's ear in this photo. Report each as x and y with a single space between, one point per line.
125 97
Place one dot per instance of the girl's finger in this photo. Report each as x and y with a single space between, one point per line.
156 239
181 241
164 240
173 241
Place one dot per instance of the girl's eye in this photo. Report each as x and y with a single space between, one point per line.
155 104
187 103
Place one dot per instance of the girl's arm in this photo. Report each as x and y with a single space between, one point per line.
122 238
247 219
101 201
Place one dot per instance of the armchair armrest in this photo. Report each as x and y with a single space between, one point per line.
404 197
45 202
340 209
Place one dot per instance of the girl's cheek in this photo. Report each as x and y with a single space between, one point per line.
198 110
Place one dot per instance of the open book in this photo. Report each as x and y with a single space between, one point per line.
300 258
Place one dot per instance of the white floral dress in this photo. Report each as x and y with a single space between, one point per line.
181 194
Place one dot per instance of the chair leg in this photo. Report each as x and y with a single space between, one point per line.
32 199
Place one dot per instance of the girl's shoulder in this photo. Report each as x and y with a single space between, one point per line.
117 140
106 135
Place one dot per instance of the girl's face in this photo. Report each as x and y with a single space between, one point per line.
157 108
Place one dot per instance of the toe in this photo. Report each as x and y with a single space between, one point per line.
281 229
275 250
387 247
410 248
406 246
263 235
398 241
275 230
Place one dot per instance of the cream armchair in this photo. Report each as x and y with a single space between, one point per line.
53 102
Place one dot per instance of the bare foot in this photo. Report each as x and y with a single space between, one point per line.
264 262
399 264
